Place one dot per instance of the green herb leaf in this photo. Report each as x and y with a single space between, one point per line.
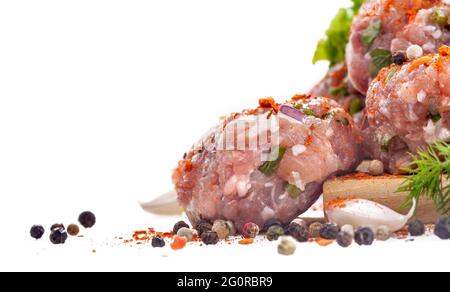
356 106
439 17
299 106
309 112
332 47
381 58
293 191
391 73
436 118
339 91
270 167
429 171
370 33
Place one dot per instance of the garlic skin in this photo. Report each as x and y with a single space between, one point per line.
365 213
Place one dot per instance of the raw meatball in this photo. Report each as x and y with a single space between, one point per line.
385 27
408 108
316 139
336 86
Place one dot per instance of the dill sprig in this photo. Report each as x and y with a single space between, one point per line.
428 175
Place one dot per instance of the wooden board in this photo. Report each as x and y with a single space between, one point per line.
381 189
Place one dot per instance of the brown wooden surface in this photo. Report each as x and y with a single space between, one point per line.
378 189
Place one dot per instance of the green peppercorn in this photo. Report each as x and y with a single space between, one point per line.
314 229
439 17
287 246
274 232
221 228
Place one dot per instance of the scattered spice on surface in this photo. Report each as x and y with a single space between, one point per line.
344 239
73 230
339 203
58 236
250 230
37 231
416 228
185 232
299 232
364 236
329 231
178 243
274 232
324 242
314 229
246 241
87 219
179 225
57 226
210 238
287 246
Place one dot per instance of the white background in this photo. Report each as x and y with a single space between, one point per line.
100 99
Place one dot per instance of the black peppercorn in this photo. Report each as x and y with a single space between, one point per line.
299 232
210 238
416 228
56 226
179 225
442 229
203 226
344 239
87 219
58 236
271 222
364 236
158 241
399 58
329 231
37 231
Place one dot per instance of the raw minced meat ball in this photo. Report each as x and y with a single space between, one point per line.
408 108
386 27
336 86
316 139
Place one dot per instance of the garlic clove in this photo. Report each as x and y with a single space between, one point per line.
165 205
365 213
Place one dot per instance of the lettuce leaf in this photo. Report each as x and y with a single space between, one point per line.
332 47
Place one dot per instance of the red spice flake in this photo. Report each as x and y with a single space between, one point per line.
429 227
309 140
402 233
140 235
269 102
178 243
324 242
246 241
444 51
339 203
425 60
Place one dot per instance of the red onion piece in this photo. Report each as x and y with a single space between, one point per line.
293 113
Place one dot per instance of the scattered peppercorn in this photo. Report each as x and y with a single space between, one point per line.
158 241
399 58
203 226
232 228
185 232
300 222
383 233
274 232
314 229
287 246
37 231
329 231
210 238
348 229
178 243
250 230
57 226
299 232
221 228
271 222
179 225
344 239
364 236
416 228
73 230
442 228
58 236
376 168
87 219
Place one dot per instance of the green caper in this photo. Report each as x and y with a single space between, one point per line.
439 17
